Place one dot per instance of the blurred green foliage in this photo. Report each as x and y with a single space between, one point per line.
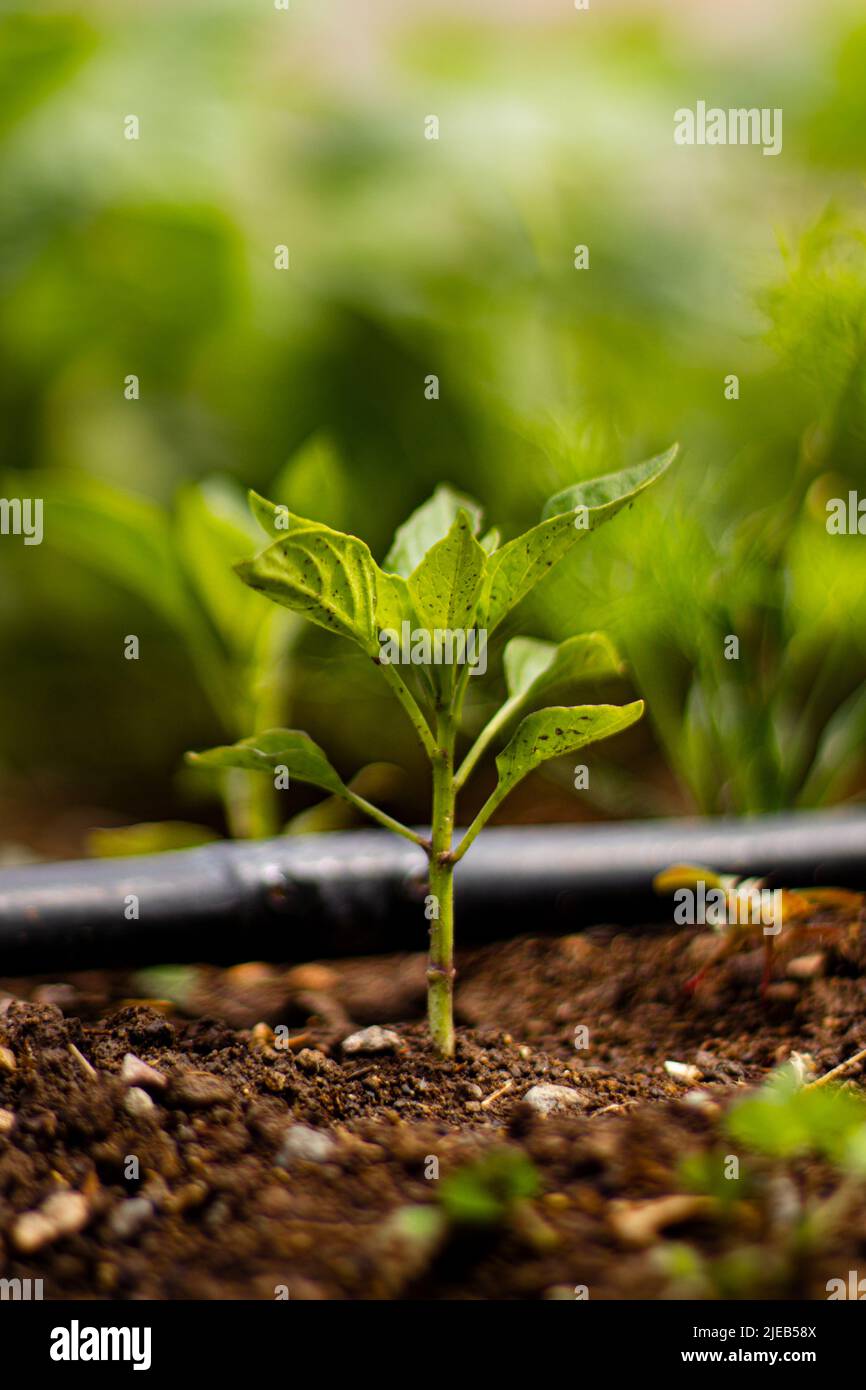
409 258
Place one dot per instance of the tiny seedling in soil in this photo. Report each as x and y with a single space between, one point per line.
425 618
745 912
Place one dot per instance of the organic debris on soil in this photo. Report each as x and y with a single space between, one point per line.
232 1147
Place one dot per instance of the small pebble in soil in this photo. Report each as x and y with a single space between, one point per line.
638 1223
309 1059
304 1142
555 1100
61 1214
7 1060
7 1121
370 1041
701 1101
127 1219
198 1089
135 1072
683 1071
137 1102
806 967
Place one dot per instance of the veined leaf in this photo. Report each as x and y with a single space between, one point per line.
289 748
427 525
568 516
532 667
328 576
549 733
612 489
446 584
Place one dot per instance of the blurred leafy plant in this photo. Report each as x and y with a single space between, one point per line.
175 561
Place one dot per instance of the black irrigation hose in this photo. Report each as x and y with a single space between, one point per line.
361 892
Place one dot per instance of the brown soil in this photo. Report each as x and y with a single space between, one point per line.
228 1214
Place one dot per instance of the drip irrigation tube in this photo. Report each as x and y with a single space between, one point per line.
361 892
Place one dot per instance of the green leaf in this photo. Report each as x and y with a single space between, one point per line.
120 535
213 532
491 540
148 837
432 520
612 490
532 667
275 748
328 576
314 482
549 733
817 1119
446 584
483 1193
393 601
568 516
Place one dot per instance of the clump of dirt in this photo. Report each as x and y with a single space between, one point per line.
235 1148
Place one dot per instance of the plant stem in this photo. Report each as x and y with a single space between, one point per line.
484 739
249 804
411 706
440 968
478 824
388 821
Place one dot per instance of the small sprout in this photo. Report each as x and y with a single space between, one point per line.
487 1192
785 1118
745 912
424 620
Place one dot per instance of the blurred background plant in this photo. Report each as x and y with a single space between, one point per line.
410 258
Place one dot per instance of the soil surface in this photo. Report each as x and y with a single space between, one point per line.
260 1158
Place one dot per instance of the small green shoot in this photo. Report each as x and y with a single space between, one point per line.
425 620
785 1118
485 1193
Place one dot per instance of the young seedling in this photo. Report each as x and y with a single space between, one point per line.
425 619
745 912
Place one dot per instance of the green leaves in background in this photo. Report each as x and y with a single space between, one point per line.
148 837
486 1192
784 1119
